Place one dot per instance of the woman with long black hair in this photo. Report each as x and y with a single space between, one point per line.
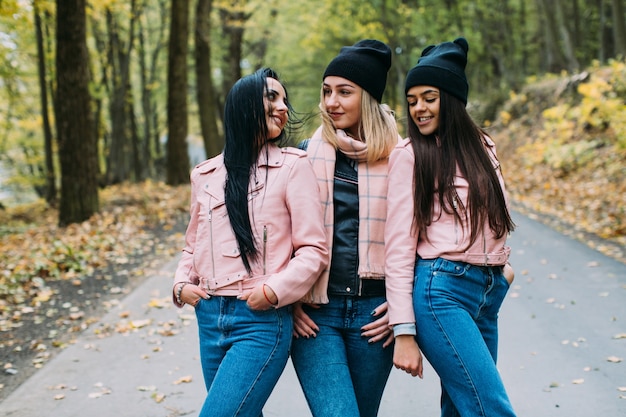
254 245
445 238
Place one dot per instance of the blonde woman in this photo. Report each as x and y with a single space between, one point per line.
340 351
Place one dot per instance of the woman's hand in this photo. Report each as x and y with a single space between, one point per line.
508 272
379 329
260 298
407 355
303 325
191 293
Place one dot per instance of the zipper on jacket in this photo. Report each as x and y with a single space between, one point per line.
456 224
264 248
211 237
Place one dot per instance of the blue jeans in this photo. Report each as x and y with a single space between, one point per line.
342 375
243 353
456 311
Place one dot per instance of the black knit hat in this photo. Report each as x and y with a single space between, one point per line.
442 66
365 63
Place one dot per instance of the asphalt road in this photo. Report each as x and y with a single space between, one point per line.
562 348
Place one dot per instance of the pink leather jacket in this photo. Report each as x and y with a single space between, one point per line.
286 216
447 238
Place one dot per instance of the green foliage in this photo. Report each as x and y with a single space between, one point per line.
298 39
569 160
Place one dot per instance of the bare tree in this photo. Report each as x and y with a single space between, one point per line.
122 151
51 189
78 149
233 18
177 123
619 28
207 100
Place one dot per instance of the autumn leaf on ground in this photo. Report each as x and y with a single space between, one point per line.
138 324
160 302
158 397
578 381
614 359
184 379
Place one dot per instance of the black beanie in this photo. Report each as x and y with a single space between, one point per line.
365 63
442 66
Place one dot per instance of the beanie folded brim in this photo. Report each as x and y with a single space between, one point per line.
440 78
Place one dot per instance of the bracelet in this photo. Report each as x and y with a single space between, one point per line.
267 298
179 292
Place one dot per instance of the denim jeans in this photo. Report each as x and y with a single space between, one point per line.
243 353
456 311
342 375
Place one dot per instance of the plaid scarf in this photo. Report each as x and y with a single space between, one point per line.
372 205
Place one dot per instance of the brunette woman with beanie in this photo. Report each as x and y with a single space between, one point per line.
446 253
340 351
255 244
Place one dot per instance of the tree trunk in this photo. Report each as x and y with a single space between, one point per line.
51 189
566 38
619 28
177 123
553 57
158 149
207 103
119 159
233 25
78 149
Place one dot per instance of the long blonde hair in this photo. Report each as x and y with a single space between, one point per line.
377 127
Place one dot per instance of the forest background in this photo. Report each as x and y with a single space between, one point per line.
105 106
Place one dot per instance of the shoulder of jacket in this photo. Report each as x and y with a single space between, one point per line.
403 143
293 151
208 165
488 141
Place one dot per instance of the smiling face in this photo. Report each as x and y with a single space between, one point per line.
275 101
424 103
342 102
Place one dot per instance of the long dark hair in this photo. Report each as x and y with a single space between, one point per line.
458 142
245 134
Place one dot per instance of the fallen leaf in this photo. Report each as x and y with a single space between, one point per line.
158 397
137 324
578 381
59 397
184 379
614 359
159 302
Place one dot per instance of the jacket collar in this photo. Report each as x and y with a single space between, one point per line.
270 156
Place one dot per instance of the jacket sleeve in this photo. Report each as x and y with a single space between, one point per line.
400 236
310 255
185 271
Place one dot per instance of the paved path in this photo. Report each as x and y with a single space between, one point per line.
563 332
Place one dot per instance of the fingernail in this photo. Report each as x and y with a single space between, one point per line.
373 313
